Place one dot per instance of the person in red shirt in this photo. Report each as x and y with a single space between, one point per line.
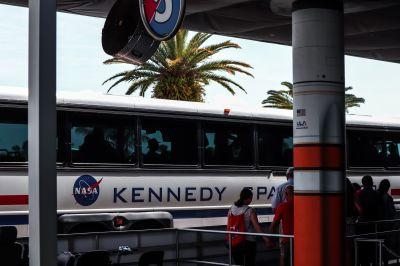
284 214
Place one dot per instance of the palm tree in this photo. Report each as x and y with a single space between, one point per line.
181 68
283 99
351 100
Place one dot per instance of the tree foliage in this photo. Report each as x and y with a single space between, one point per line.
181 68
283 99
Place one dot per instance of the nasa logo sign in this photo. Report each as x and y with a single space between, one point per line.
162 18
86 190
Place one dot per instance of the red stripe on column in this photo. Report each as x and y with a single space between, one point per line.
13 199
318 230
318 156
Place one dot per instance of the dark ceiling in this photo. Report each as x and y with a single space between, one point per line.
372 27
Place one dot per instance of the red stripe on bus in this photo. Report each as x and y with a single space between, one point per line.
14 199
318 156
395 191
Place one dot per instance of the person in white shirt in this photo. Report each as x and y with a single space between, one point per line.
279 195
245 253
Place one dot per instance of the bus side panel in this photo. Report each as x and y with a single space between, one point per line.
13 191
159 190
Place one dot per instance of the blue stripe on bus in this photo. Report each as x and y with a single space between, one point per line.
13 219
177 214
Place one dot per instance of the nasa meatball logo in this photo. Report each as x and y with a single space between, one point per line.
86 190
162 18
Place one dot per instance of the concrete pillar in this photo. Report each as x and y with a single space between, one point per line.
319 132
42 133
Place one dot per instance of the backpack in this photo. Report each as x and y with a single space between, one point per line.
236 223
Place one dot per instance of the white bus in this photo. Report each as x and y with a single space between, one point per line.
132 163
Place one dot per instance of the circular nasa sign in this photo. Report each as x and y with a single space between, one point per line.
86 190
162 18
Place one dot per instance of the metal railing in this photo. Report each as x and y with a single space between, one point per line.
179 241
372 235
380 247
229 234
377 242
179 245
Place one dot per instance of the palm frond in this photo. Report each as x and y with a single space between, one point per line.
226 86
202 54
281 99
160 57
180 38
116 76
279 96
123 78
115 60
198 40
170 47
229 66
129 76
142 84
221 79
215 48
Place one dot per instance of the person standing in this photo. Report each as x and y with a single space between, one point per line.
353 207
369 202
284 214
242 218
279 195
353 211
388 211
357 188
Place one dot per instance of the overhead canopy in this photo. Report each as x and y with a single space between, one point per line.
372 27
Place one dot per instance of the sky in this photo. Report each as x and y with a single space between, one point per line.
80 67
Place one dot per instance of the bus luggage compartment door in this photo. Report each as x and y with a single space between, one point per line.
103 222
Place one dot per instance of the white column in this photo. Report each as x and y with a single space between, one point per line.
319 132
42 133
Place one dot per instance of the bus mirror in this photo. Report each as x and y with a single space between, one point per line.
124 35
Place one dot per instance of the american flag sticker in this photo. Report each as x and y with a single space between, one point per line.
301 112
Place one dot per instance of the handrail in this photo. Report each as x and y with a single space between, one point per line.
374 233
369 240
374 222
234 233
229 233
390 251
93 234
208 262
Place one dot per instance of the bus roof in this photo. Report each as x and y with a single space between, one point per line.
127 102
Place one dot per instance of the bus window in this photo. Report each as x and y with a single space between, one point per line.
13 135
169 141
275 146
227 144
102 140
393 149
365 148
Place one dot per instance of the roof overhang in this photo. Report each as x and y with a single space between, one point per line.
372 27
